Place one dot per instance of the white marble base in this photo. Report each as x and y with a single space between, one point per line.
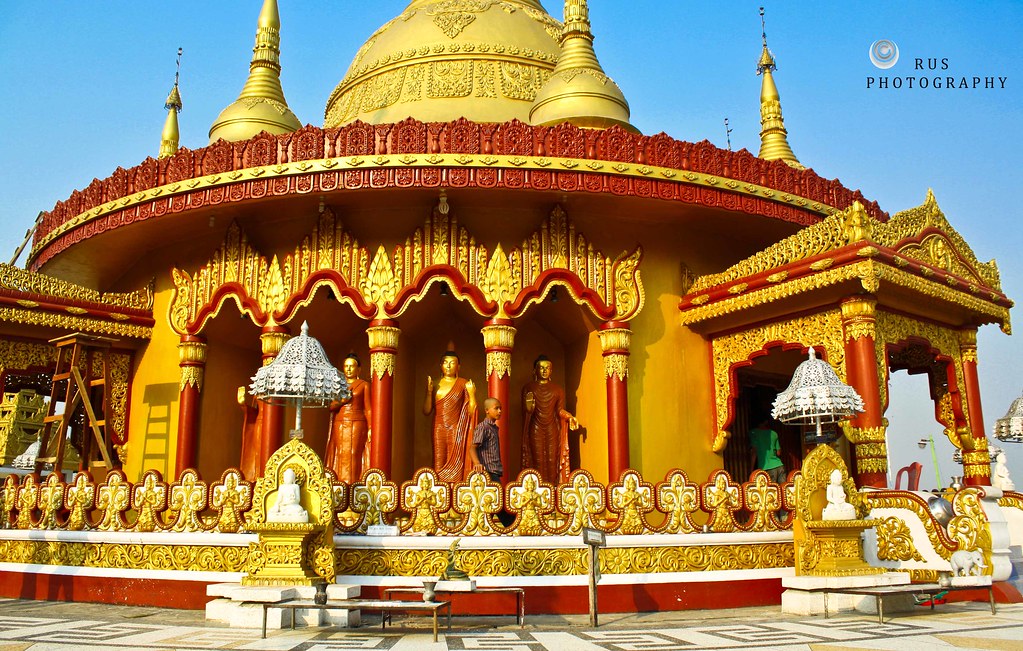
242 606
798 600
456 586
971 581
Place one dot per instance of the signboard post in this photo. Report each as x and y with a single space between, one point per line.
594 539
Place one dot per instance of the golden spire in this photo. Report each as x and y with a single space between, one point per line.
261 105
774 144
169 138
578 90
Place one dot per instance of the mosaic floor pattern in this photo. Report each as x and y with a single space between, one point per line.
31 626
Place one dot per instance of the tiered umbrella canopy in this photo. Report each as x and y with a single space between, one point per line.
1009 428
301 375
816 396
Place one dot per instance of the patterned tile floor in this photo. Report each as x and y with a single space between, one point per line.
49 626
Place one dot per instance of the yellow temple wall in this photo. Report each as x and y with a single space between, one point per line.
153 418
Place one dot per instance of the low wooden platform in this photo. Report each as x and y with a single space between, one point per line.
384 606
520 596
917 589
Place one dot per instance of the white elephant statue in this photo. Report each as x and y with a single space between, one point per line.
967 563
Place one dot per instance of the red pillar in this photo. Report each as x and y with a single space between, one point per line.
383 351
192 360
867 433
499 340
615 341
272 340
976 462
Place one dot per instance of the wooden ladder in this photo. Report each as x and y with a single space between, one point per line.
71 351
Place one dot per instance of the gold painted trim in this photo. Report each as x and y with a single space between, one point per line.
821 329
869 273
74 323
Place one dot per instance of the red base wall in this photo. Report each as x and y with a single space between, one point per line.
555 600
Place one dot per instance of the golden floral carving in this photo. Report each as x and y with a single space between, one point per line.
75 323
895 541
425 499
762 499
532 500
901 233
565 562
478 500
631 499
580 501
206 558
372 498
821 330
499 283
231 496
80 497
31 282
680 499
940 541
149 498
616 366
187 500
721 501
112 500
191 376
380 285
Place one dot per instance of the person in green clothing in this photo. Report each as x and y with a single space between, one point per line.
766 447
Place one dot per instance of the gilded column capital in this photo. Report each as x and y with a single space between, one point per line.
383 337
272 340
615 340
499 340
977 463
615 343
968 345
859 306
859 318
192 360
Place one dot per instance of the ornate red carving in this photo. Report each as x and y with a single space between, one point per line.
260 151
461 136
616 144
307 144
566 141
408 137
514 139
181 166
218 158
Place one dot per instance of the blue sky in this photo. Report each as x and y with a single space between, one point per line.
84 84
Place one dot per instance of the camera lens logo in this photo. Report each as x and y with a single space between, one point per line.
884 53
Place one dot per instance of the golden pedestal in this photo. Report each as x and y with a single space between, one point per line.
279 558
834 548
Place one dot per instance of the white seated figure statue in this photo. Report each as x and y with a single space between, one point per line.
838 508
288 507
1000 478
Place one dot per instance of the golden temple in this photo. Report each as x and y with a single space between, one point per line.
476 186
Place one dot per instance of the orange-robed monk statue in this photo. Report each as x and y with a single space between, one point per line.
347 451
545 425
453 406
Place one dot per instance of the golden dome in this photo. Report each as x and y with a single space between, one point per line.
445 59
580 91
261 105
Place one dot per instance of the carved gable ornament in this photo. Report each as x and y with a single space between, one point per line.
917 249
379 285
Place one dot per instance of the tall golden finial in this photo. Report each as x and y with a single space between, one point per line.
261 105
774 144
170 137
578 90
